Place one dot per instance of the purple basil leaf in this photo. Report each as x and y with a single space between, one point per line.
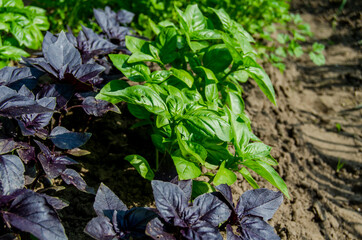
225 190
100 228
259 202
211 209
6 199
157 230
46 159
65 139
185 185
170 201
125 17
227 197
30 212
42 65
230 234
98 107
107 200
52 170
11 174
62 93
26 152
55 202
255 228
7 145
62 53
202 231
70 176
24 91
15 77
32 123
49 39
107 20
44 149
91 44
86 72
13 104
64 160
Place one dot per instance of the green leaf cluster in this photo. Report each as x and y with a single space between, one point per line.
20 27
194 101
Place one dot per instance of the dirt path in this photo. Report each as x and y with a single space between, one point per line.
316 125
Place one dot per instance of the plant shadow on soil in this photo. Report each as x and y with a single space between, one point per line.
302 131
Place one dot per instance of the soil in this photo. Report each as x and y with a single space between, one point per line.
316 125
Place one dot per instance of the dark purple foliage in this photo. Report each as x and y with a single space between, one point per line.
14 77
11 174
70 176
13 104
178 218
91 44
7 145
31 212
100 228
111 24
53 164
31 124
252 211
107 200
63 62
65 139
62 93
98 107
114 220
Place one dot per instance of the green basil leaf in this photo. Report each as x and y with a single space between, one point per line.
138 111
13 53
318 48
201 187
194 18
141 95
112 86
211 91
160 76
317 58
141 165
175 105
135 44
161 121
246 174
224 176
263 81
235 102
184 76
269 160
216 153
138 57
137 72
193 151
208 123
267 172
186 169
223 17
166 42
256 150
205 34
219 52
